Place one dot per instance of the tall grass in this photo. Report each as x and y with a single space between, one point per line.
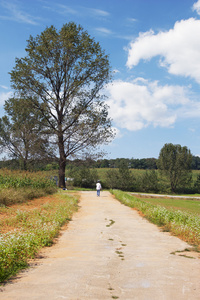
34 229
182 224
19 186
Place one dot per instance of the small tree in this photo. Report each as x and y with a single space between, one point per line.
126 178
149 182
112 179
22 132
66 70
197 185
175 161
84 177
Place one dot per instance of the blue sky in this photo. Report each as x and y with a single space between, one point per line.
154 50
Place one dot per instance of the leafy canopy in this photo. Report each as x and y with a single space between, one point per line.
65 71
175 161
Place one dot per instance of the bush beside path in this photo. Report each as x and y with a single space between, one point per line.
109 251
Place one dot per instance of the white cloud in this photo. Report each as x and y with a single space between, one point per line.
99 12
132 20
15 14
104 30
196 6
115 71
179 48
66 9
4 87
117 132
139 104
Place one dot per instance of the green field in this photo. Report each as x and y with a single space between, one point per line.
102 172
139 172
187 205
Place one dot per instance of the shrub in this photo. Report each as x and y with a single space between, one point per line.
148 182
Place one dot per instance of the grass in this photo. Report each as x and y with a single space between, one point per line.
30 229
180 223
186 205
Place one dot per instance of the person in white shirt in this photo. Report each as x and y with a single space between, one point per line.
98 188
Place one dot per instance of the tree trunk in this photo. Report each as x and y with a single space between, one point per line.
25 165
62 162
62 165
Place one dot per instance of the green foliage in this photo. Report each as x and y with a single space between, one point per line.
148 182
175 162
51 166
197 184
144 163
112 178
19 179
121 178
63 73
195 163
126 179
22 132
84 177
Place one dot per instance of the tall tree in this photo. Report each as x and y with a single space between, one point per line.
126 178
175 161
66 70
22 132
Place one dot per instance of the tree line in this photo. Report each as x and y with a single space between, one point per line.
174 174
136 163
52 163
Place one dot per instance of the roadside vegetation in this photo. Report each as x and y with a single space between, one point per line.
183 224
26 228
20 186
190 205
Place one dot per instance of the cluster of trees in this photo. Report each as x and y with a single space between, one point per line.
174 174
57 110
125 180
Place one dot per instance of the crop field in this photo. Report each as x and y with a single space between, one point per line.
19 186
139 172
102 172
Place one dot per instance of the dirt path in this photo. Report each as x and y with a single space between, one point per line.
109 252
